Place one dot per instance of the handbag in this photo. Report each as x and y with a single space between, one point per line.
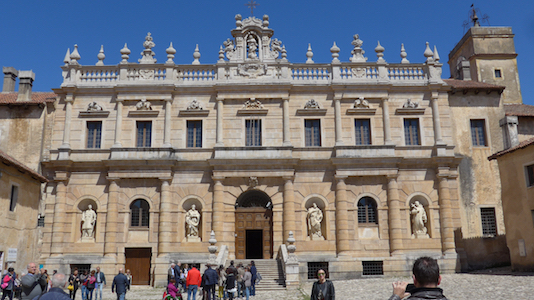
4 285
70 287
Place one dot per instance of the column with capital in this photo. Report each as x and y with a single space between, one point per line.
342 216
217 222
167 130
385 117
289 207
165 218
395 225
219 132
337 112
286 132
445 216
58 227
118 125
110 245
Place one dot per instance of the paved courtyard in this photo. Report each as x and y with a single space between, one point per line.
491 284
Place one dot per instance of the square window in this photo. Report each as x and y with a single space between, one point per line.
411 132
312 132
14 197
194 134
94 134
144 133
478 133
363 131
373 268
314 267
498 73
529 174
489 222
253 132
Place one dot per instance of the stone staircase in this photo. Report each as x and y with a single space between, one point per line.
271 272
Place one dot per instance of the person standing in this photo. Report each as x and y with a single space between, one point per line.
171 273
33 283
83 281
120 285
230 285
75 281
240 282
254 273
222 280
100 283
210 281
322 288
193 282
56 292
9 282
130 278
91 284
247 279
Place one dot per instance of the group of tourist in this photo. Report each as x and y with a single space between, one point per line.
95 281
240 280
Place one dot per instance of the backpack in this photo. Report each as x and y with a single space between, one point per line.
91 285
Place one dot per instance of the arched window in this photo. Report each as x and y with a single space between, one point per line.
367 211
139 213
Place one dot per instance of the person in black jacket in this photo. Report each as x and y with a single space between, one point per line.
323 289
74 279
210 280
426 279
120 284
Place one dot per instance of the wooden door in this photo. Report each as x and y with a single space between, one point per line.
254 218
138 262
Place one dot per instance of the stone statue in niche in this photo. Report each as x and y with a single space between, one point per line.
192 220
88 223
252 47
410 104
143 105
361 103
419 219
93 106
315 217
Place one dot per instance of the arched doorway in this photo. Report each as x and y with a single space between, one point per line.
254 225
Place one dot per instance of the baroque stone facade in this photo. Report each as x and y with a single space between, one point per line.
339 158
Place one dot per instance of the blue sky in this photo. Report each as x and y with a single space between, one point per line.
37 33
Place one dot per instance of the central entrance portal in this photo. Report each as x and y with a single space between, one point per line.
253 222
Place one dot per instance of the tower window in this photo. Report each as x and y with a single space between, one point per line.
498 73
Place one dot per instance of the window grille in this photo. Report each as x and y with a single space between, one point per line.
314 267
253 132
81 268
194 134
144 133
94 134
489 223
139 213
363 132
40 221
367 211
312 130
373 267
478 133
411 132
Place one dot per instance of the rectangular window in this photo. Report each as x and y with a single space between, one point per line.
373 267
312 132
94 134
144 133
411 132
489 222
40 220
529 173
14 197
498 73
194 134
253 132
314 267
478 133
363 131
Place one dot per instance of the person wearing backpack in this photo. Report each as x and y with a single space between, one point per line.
8 284
91 284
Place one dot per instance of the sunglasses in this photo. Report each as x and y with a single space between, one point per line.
320 274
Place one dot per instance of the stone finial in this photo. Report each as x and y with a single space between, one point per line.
291 248
265 21
148 54
196 56
238 22
309 55
212 248
436 54
335 53
101 56
428 53
125 54
284 53
75 56
221 54
170 54
357 52
66 60
403 55
380 52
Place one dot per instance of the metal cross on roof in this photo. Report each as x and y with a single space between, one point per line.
252 4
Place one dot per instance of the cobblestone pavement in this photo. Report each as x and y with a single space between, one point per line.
492 284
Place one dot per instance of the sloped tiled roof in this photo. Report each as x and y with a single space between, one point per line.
472 85
520 110
37 98
10 161
521 145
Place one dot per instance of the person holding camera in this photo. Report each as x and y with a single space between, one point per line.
426 279
33 283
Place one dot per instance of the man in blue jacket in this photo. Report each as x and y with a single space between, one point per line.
120 284
100 282
211 278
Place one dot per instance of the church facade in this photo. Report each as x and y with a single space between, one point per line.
357 160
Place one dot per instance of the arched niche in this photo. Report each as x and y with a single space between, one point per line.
321 205
425 201
83 206
188 205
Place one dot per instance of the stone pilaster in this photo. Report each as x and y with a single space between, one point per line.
58 228
387 126
118 125
338 127
112 218
165 218
445 214
217 223
167 130
286 132
68 115
219 132
395 226
289 207
435 116
342 216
